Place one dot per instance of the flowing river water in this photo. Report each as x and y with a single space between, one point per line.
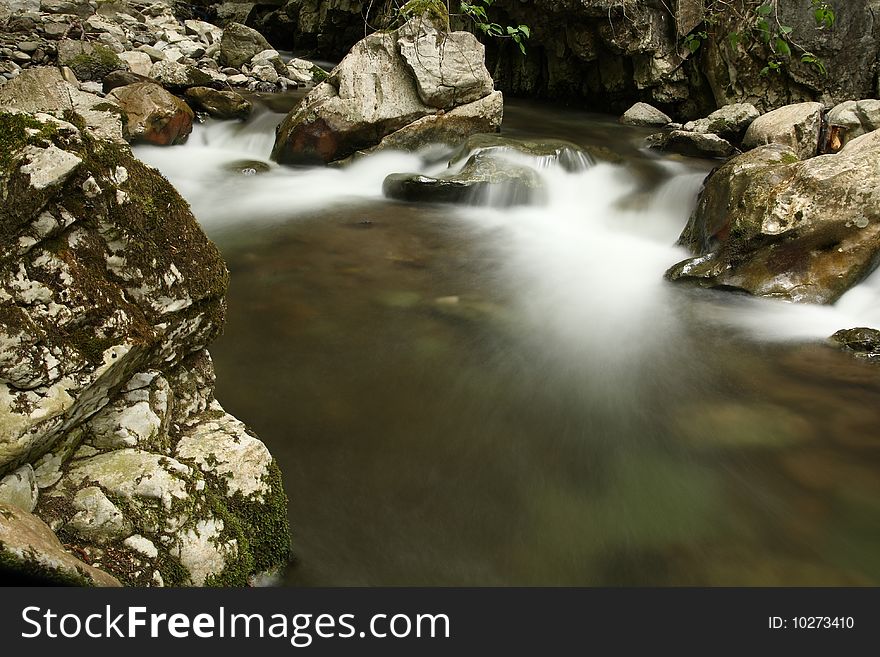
483 396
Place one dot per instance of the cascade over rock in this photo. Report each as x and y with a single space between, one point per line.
771 225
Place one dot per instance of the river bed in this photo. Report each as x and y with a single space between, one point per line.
480 396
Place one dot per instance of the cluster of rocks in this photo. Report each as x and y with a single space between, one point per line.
797 214
117 465
100 47
426 86
808 128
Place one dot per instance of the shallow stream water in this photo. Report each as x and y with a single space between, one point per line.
480 396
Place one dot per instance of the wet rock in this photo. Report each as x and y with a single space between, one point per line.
154 115
796 126
546 152
862 342
28 545
485 179
353 111
219 104
694 144
248 167
642 114
239 44
771 225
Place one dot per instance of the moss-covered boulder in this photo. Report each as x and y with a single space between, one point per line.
89 61
109 294
771 225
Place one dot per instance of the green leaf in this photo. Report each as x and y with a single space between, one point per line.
785 29
763 28
764 10
734 39
525 29
782 47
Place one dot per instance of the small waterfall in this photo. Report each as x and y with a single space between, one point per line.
587 245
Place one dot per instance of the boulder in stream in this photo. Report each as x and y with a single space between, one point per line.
771 225
219 104
354 110
153 114
862 342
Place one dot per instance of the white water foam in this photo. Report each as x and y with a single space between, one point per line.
588 264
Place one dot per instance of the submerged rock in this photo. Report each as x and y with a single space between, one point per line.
771 225
484 180
545 152
353 111
862 342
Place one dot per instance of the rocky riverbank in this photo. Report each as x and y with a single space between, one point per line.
117 465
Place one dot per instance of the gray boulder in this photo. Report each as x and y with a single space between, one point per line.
729 122
353 111
219 104
239 44
796 126
448 71
771 225
27 544
856 117
179 77
694 144
644 115
89 61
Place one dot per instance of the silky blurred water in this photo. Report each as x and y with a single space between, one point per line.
477 395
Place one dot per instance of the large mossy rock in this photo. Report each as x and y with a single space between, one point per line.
109 294
89 61
376 92
771 225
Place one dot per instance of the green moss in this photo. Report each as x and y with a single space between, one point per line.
319 74
95 65
16 132
432 8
